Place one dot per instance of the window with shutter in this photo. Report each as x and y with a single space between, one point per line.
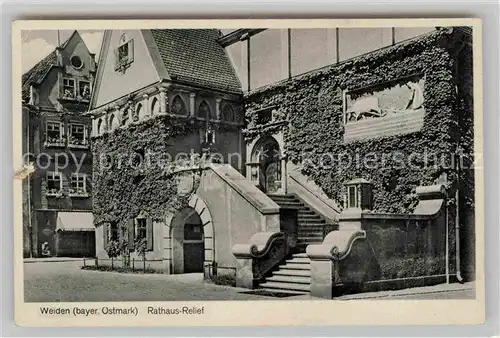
130 49
131 234
140 228
149 234
105 233
113 231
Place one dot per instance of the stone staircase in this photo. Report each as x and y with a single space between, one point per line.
312 227
294 276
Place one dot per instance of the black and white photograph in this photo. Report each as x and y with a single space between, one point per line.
274 163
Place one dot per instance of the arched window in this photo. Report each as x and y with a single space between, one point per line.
228 113
155 107
99 127
178 106
113 122
140 112
204 111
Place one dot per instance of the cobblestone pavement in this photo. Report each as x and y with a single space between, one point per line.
64 281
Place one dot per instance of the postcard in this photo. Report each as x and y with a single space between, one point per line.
248 172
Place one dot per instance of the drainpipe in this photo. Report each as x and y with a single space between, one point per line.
457 222
447 248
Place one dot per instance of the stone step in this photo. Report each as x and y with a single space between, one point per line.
287 203
290 279
308 216
308 224
273 196
310 239
290 272
303 212
315 227
291 292
292 266
284 199
310 234
311 220
286 286
300 255
299 260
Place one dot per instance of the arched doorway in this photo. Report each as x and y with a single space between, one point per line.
188 242
266 165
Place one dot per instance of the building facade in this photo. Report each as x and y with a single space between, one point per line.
157 100
315 102
58 194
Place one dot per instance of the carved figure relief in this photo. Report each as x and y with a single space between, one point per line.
396 99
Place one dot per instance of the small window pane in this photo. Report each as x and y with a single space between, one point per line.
69 88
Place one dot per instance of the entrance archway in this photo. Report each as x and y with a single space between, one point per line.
190 238
187 242
266 159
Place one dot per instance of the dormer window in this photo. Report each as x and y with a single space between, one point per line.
69 91
84 90
124 53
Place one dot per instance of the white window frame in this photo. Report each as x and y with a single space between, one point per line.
47 123
70 131
78 89
51 175
79 176
136 228
74 86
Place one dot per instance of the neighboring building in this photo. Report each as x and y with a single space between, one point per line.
58 195
306 93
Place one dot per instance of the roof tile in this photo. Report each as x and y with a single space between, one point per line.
195 56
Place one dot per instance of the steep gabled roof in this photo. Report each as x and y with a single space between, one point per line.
38 72
194 56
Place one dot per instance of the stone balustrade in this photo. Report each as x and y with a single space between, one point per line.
355 254
257 257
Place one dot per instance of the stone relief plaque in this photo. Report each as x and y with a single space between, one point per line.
185 184
384 110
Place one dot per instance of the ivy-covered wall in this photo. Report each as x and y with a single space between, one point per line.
313 106
122 188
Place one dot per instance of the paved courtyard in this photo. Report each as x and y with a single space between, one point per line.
64 281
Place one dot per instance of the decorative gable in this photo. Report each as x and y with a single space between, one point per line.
125 66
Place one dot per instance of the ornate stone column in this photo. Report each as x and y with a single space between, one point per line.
145 103
192 104
163 100
217 108
117 114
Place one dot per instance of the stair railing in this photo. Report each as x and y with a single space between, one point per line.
263 252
